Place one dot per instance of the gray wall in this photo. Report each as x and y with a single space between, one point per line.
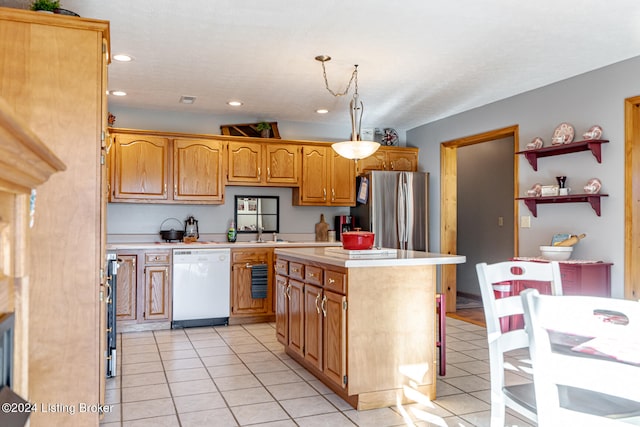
485 193
593 98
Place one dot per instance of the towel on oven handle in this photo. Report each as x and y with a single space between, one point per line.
259 280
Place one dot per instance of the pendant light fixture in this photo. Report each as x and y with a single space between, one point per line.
355 148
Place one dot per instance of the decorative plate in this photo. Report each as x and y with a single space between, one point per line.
535 143
563 134
390 137
593 186
594 132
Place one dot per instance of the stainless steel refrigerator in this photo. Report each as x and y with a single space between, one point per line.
395 206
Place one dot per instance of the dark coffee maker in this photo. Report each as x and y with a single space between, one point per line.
344 223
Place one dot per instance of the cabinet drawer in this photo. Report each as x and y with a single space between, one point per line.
250 256
313 275
296 270
282 266
335 281
157 257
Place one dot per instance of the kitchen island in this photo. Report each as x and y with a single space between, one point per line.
365 327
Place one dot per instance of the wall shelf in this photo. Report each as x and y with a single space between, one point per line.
593 199
593 145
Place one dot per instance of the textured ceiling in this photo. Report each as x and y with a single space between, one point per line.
419 60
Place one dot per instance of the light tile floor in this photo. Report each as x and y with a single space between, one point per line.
240 376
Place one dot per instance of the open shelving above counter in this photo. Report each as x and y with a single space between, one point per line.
533 202
593 145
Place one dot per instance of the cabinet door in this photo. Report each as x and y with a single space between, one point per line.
141 165
296 316
244 163
342 181
197 171
334 307
402 161
241 301
126 287
282 310
156 292
375 162
283 164
313 325
315 172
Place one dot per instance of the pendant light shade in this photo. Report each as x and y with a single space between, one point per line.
355 149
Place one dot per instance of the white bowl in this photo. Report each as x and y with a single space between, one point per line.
556 253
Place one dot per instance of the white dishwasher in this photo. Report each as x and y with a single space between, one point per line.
201 287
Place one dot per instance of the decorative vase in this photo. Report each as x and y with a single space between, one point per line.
265 133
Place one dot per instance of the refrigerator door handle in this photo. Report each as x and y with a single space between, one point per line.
402 211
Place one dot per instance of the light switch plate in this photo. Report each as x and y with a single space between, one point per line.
525 221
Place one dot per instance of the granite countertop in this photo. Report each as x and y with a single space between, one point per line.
402 258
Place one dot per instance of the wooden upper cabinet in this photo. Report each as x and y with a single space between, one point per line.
161 168
375 162
283 164
390 159
403 160
327 178
198 170
267 164
342 181
245 162
315 173
140 169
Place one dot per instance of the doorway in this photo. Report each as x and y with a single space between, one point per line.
632 198
450 174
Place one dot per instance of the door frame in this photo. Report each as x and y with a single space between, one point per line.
449 201
631 197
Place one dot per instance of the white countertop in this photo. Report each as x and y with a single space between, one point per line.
214 245
403 258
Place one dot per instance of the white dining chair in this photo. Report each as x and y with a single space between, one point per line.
519 397
574 342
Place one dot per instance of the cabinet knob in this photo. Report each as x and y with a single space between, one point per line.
331 281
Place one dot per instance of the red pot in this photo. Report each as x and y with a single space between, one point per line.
357 239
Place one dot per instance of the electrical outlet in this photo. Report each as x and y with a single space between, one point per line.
525 221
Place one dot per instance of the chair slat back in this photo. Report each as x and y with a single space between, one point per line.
499 276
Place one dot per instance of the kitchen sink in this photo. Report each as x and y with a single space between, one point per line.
268 241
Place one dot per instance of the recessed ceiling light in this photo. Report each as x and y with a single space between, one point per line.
117 93
187 99
123 57
234 103
322 111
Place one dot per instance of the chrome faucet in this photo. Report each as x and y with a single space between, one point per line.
260 229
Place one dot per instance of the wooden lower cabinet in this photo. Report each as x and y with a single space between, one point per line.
334 309
244 308
282 309
127 283
367 333
313 323
143 294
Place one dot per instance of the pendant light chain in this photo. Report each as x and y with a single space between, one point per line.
354 76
